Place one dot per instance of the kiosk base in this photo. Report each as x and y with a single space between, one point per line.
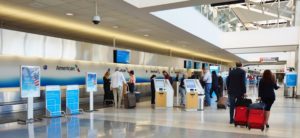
191 101
160 100
29 121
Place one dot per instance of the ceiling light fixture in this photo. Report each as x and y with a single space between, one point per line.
115 26
70 14
146 35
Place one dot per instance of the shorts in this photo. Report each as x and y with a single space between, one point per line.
269 103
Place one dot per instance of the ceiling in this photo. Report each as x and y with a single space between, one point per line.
262 49
118 17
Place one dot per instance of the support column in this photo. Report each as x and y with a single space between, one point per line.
297 23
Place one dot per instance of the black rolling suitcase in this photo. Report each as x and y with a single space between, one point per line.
129 100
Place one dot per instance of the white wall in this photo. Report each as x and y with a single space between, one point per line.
261 38
32 45
283 56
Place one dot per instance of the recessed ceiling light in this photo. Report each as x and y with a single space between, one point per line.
146 35
70 14
167 41
115 26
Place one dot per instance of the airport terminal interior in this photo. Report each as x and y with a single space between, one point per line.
149 68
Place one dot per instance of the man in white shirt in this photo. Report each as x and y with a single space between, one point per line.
208 80
117 82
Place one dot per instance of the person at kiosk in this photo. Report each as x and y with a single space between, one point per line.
182 90
168 77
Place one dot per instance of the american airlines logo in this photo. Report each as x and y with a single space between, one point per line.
65 68
68 68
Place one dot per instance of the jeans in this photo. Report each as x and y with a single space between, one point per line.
207 93
232 100
182 95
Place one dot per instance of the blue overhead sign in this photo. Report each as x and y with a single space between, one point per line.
53 101
72 99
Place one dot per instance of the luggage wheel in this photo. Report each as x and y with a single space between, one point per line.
262 129
235 125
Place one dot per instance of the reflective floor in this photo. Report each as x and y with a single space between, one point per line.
147 122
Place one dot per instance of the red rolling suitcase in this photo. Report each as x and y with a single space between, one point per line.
256 117
241 116
241 112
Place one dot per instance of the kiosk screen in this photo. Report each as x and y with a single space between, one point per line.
159 84
190 84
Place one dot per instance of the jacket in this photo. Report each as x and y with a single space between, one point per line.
266 90
236 82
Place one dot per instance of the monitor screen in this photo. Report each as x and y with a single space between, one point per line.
190 84
188 64
121 56
197 65
159 84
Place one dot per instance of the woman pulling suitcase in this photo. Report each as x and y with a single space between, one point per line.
266 93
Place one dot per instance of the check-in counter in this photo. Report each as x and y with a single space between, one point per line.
194 95
164 93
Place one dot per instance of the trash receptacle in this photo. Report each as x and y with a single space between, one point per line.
201 102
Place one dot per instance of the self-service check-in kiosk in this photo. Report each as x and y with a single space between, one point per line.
194 95
164 93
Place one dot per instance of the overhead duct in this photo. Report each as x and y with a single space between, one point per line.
227 3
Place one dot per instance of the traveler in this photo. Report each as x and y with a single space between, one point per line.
266 92
106 86
132 81
214 86
117 82
236 85
220 85
168 77
152 89
182 90
207 80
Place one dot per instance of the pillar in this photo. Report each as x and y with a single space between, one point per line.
297 23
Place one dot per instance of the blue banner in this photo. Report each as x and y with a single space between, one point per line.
30 81
72 99
91 82
53 101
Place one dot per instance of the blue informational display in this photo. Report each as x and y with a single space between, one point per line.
188 64
30 81
214 68
73 127
190 84
121 56
91 82
291 79
72 99
197 65
53 101
54 128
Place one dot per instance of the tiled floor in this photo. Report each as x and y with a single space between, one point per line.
147 122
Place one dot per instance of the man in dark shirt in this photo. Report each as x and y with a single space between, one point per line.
236 85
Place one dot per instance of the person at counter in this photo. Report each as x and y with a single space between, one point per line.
208 80
168 77
132 81
117 82
214 86
152 89
182 90
106 86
